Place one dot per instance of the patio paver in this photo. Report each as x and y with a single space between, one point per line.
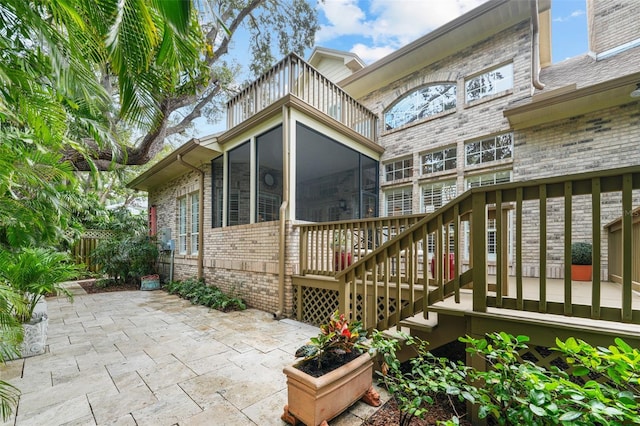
149 358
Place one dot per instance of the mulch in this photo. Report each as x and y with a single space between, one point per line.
90 287
439 411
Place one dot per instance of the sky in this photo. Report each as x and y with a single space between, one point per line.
375 28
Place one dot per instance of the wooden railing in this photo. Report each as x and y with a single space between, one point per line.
615 246
294 76
381 294
329 247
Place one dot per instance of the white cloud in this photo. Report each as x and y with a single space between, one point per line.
370 54
574 14
379 27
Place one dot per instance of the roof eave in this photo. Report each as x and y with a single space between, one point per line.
568 101
193 152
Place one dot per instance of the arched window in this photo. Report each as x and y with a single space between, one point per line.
421 103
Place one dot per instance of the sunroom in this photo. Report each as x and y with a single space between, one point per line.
298 149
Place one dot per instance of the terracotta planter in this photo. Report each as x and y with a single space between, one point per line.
581 272
313 400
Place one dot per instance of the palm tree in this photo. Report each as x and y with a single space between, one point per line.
11 333
34 273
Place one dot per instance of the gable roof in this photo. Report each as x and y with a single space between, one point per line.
476 25
349 59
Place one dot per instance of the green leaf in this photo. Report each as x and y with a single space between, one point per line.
570 416
538 411
580 371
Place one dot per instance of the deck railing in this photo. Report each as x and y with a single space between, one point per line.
615 245
329 247
294 76
379 291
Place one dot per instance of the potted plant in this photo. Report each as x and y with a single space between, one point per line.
581 267
335 372
34 273
341 245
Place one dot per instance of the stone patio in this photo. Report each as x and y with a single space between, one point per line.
149 358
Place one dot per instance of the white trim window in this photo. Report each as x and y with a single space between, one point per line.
420 104
195 222
437 194
487 150
182 225
493 178
439 161
398 201
399 169
490 83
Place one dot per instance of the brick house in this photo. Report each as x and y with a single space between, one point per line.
332 142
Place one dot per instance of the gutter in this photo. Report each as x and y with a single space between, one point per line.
535 47
282 237
200 215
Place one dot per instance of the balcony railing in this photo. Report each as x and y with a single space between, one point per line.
294 76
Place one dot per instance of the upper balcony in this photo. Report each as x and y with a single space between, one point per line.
293 76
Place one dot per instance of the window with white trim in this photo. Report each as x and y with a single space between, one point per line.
488 179
195 221
437 194
484 151
399 169
399 201
182 225
490 83
439 161
421 103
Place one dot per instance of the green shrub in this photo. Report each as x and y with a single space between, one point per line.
515 391
581 253
198 293
416 384
123 259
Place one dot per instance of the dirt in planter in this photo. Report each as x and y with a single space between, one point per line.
441 409
331 363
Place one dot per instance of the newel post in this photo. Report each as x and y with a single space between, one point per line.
479 250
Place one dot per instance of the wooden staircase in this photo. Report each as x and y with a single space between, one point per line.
385 287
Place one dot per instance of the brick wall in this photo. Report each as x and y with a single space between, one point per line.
241 260
468 121
598 141
612 23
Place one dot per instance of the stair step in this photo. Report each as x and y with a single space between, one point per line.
418 323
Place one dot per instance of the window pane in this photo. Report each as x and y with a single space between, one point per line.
496 148
329 178
195 223
422 103
270 172
398 201
436 195
217 171
489 83
182 225
400 169
239 185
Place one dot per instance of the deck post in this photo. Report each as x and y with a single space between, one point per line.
479 244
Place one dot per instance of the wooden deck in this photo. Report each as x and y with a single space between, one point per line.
543 328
